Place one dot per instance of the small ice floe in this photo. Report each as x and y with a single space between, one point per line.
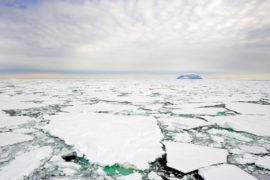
108 139
189 157
133 176
11 121
175 123
182 137
10 138
25 164
263 162
249 108
253 149
224 172
154 176
258 125
199 111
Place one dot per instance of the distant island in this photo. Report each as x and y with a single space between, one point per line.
189 76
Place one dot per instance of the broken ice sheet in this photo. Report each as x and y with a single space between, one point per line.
108 139
263 162
224 172
189 157
25 164
258 125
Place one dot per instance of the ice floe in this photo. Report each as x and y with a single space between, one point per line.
249 108
189 157
224 172
10 138
263 162
175 123
254 124
199 111
109 139
24 164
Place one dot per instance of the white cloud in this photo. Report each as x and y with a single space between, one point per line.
211 35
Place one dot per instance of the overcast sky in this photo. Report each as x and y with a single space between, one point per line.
230 36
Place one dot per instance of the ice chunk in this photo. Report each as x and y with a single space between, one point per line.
109 139
175 123
199 111
224 172
258 125
24 164
248 108
12 138
253 149
182 137
263 162
9 121
189 157
154 176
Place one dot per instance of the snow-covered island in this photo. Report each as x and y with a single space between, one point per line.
189 76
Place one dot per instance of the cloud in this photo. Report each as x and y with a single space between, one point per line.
155 35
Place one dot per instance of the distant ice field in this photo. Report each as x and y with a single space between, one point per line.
134 129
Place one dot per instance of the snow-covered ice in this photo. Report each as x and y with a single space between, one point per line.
24 164
224 172
189 157
263 162
109 139
175 123
255 124
13 138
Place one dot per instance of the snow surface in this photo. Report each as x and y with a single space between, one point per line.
10 121
109 139
189 157
24 164
12 138
254 124
224 172
199 111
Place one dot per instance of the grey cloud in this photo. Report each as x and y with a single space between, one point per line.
210 35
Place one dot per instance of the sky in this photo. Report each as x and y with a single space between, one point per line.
157 36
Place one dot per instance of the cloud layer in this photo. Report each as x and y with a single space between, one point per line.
188 35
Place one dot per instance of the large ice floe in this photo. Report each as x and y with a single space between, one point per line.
110 139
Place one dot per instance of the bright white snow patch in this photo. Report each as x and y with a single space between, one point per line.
109 139
224 172
189 157
12 138
258 125
24 164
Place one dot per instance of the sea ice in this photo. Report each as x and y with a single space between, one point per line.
224 172
9 121
263 162
24 164
189 157
199 111
255 124
175 123
253 149
248 108
109 139
12 138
